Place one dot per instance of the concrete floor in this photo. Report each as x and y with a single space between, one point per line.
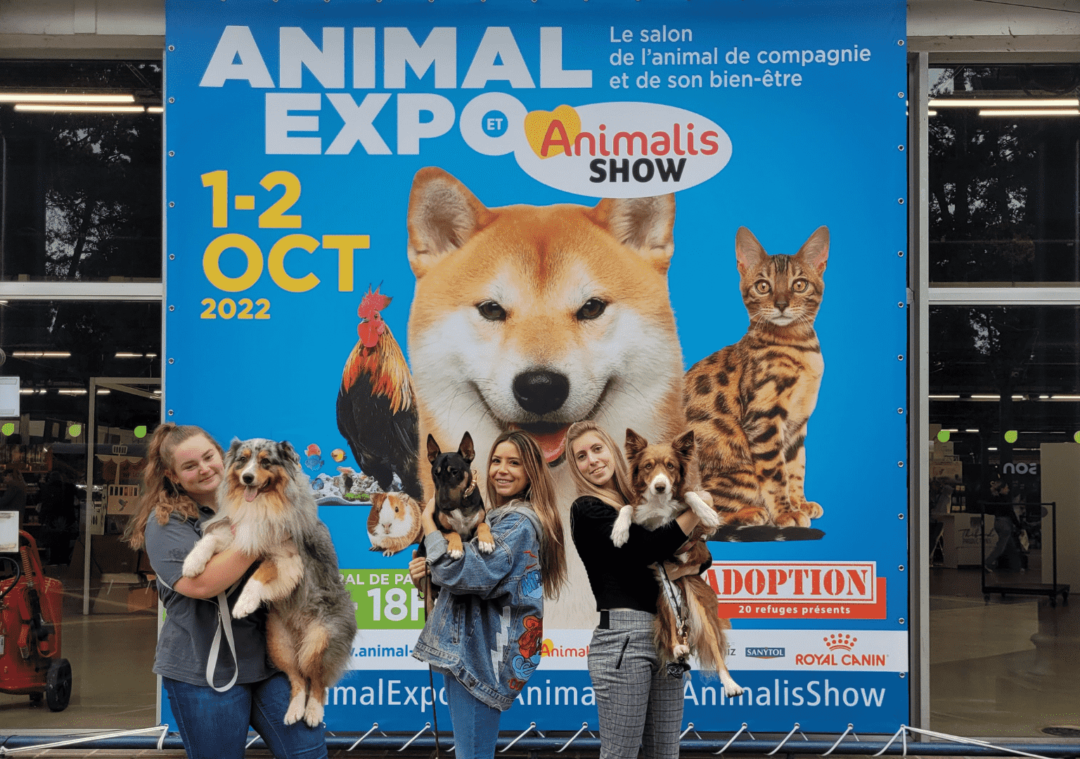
111 654
1005 668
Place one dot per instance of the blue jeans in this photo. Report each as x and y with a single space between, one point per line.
215 725
476 725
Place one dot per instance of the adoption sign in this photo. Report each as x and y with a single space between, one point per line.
390 220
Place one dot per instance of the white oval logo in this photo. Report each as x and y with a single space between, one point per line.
621 150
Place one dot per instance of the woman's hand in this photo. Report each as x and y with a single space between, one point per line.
427 518
418 569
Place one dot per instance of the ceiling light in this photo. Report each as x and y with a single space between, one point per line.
970 430
931 113
103 391
47 97
71 391
992 448
944 397
155 109
1056 397
26 391
1004 103
80 108
986 397
40 354
1033 112
1018 398
128 355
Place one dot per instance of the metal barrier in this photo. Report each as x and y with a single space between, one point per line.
938 744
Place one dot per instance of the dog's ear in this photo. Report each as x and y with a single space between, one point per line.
635 444
642 224
288 453
466 449
432 449
443 215
234 446
684 445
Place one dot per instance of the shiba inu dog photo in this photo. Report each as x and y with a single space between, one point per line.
535 317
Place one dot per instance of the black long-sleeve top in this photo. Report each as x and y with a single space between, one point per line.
621 578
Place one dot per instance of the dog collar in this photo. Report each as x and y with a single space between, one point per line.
472 483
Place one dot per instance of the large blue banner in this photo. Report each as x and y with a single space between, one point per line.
394 219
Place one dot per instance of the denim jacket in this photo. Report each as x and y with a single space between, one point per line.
487 625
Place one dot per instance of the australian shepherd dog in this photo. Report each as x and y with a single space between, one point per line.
687 621
266 508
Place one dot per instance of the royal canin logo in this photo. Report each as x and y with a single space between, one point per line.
838 643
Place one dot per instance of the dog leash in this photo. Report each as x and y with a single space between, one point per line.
430 671
224 623
678 608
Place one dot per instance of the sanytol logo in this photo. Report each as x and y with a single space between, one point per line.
840 646
766 653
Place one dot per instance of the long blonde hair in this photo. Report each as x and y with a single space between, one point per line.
540 495
162 497
620 479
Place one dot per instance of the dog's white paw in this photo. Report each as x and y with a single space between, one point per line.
455 554
710 520
681 651
194 564
731 688
313 714
296 711
620 533
484 546
249 600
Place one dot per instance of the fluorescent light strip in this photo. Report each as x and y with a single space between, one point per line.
1065 397
66 391
81 108
986 397
944 397
970 430
40 354
1004 103
155 109
1033 112
128 355
28 97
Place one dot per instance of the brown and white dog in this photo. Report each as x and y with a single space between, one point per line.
687 621
266 508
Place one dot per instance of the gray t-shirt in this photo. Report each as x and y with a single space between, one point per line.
190 623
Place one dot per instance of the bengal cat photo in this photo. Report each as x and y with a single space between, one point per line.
749 403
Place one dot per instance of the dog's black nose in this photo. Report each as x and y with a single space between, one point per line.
660 487
541 392
248 479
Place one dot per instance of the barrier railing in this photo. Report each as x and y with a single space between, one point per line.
585 741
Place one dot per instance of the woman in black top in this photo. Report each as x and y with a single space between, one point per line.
639 704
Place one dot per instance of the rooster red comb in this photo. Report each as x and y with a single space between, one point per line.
372 304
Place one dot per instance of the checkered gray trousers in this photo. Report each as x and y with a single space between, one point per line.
639 704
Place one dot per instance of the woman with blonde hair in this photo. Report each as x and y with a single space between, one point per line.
215 694
486 629
640 703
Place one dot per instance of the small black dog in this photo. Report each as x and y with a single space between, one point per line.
459 509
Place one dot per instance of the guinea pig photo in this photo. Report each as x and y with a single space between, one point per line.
394 522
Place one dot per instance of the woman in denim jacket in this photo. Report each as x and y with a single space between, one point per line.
483 595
